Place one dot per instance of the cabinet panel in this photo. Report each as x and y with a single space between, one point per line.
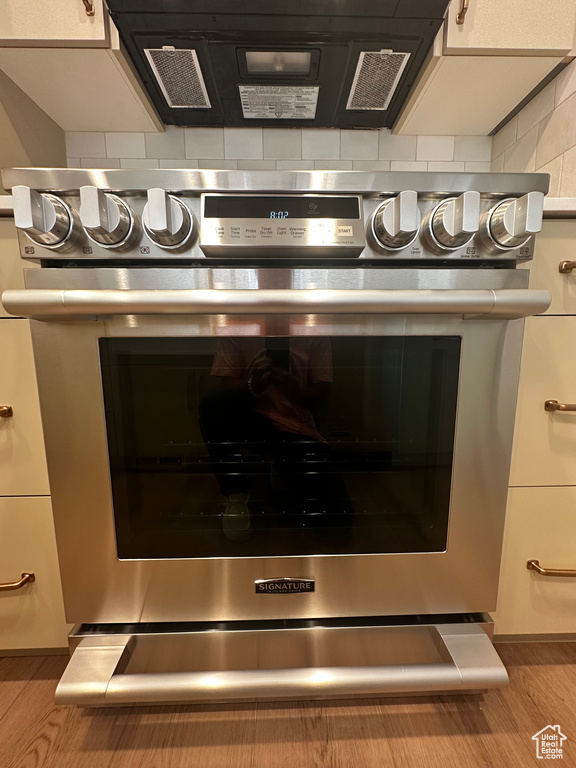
22 458
31 617
540 525
555 244
457 95
545 443
514 27
58 22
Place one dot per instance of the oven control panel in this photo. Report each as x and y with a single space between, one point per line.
82 222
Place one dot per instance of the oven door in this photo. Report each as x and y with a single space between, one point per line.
244 444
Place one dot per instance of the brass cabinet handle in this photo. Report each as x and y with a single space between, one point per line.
534 565
89 7
554 405
461 15
566 267
27 578
6 411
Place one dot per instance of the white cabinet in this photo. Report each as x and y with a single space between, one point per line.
528 27
33 616
57 22
469 95
545 443
540 525
556 243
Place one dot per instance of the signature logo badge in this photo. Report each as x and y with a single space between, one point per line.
284 586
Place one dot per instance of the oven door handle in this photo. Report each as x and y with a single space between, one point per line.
500 303
94 675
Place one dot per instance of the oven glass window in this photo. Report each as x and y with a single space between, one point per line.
264 447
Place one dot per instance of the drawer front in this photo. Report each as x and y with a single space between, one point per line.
33 616
540 525
556 243
545 443
22 457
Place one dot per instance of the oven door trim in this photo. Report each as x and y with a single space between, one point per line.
99 588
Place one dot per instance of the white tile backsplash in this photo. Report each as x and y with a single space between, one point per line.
359 145
276 148
435 148
125 145
243 143
505 137
85 144
537 109
476 166
521 156
320 144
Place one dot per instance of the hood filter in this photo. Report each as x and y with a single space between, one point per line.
179 76
377 76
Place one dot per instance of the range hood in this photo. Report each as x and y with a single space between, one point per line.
311 63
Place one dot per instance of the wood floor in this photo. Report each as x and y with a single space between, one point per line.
494 729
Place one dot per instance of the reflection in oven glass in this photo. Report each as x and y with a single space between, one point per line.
253 446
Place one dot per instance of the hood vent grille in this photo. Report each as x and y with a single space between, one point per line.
179 76
377 76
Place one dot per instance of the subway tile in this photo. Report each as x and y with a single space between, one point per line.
565 83
282 143
435 148
125 145
332 165
256 165
396 147
180 163
407 165
294 165
217 164
557 132
203 143
99 162
554 168
243 143
371 165
473 148
358 145
73 162
497 164
166 146
446 167
320 143
85 144
568 174
536 110
505 137
476 166
521 156
139 163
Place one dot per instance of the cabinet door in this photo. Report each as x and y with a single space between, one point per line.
540 525
458 95
545 443
529 27
22 458
555 244
57 22
33 616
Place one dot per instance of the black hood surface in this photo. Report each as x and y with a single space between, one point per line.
305 63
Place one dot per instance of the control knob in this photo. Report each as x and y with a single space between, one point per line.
166 220
107 220
512 222
45 219
454 222
395 223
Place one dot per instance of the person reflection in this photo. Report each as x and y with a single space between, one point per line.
265 405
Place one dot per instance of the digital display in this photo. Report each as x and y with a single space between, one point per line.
271 207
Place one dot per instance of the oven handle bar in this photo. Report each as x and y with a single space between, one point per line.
501 303
94 676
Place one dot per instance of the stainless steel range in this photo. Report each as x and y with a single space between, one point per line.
278 410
